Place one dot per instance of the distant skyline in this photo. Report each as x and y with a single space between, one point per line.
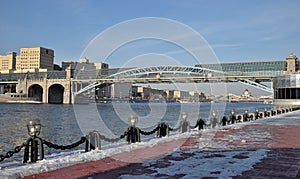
237 30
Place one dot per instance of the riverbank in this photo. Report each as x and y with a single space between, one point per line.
237 151
8 99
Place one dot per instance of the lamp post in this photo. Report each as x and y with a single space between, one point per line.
246 115
34 145
256 114
184 115
133 132
273 111
213 119
232 117
266 112
184 123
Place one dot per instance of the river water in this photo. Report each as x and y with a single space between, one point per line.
60 123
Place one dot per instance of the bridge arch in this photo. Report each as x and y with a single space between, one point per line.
36 91
158 72
173 70
56 94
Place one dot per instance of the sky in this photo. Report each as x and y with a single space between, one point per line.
236 30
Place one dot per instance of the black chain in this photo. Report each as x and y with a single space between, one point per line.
102 137
12 152
64 147
124 135
149 133
174 129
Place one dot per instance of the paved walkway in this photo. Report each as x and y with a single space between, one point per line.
278 137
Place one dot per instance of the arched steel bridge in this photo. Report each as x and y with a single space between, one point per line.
173 74
164 69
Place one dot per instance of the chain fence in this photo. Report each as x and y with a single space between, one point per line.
65 147
84 139
9 154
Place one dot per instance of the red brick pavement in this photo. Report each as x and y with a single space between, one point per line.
282 161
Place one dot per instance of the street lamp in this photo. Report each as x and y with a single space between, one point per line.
214 113
232 112
213 120
266 113
246 115
133 119
184 115
232 117
133 132
256 116
184 123
34 149
34 127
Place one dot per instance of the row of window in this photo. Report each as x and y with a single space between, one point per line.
31 57
32 51
287 93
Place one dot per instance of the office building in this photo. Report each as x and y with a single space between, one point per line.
35 58
8 62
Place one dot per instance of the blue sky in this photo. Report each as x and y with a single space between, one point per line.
237 30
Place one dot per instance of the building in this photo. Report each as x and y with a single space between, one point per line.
246 94
101 65
120 90
84 69
35 58
141 92
287 87
169 94
8 62
292 64
83 62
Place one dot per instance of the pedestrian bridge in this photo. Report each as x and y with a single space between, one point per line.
170 74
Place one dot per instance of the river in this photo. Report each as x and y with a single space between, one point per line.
60 123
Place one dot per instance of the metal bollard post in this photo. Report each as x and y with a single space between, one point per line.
93 141
256 114
200 124
266 112
163 129
34 145
133 133
224 121
273 112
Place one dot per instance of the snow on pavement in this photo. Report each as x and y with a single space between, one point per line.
208 164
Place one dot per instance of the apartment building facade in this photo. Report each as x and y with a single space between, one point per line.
35 58
8 61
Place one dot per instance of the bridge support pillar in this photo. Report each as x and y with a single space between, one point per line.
67 93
